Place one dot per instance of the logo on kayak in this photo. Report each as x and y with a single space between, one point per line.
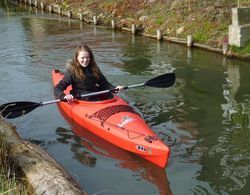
125 120
141 148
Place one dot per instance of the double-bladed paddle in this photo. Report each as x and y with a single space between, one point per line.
16 109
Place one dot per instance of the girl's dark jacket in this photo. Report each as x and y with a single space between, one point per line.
81 86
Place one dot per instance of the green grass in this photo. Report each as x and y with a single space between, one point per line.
200 37
242 50
9 182
204 33
159 20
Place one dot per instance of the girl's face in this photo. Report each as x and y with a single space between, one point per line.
83 58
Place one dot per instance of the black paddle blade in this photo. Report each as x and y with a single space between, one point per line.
16 109
162 81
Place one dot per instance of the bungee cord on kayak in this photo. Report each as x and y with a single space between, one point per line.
121 128
148 138
107 112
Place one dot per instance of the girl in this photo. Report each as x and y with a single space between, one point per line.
84 76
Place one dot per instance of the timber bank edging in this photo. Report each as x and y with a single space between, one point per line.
238 34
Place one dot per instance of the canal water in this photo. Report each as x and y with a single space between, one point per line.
203 118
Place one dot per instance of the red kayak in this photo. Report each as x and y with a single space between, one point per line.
125 159
116 122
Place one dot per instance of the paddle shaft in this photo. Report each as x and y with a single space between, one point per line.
93 94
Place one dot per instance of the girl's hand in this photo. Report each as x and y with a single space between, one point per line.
119 88
69 97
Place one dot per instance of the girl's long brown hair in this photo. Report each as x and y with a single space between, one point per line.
76 68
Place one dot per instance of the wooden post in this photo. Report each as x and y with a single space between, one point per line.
70 14
113 24
189 41
50 8
94 20
59 11
133 29
42 6
159 35
81 17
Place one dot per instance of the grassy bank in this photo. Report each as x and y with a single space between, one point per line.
207 21
10 183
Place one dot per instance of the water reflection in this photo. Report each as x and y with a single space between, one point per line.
79 146
133 39
230 89
137 58
189 55
228 159
85 145
158 47
69 23
234 142
81 26
113 35
135 64
95 30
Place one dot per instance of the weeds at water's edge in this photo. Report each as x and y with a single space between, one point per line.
242 50
10 183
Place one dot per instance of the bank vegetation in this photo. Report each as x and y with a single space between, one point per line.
206 21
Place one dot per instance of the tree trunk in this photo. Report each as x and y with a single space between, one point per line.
43 174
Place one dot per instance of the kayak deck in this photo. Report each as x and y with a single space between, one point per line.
118 123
